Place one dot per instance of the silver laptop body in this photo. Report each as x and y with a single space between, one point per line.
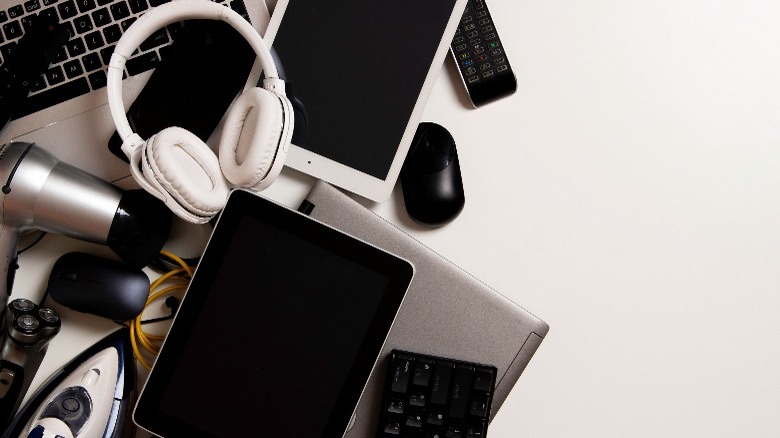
446 312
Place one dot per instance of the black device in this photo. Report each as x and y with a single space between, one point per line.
25 63
433 397
26 331
202 71
280 328
430 178
102 381
480 56
98 286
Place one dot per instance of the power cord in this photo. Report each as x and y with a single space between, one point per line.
147 345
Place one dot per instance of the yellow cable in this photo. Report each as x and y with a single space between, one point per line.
176 280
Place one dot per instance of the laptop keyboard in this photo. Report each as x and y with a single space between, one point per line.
95 26
431 397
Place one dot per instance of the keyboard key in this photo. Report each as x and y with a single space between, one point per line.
8 49
483 380
112 33
67 10
27 21
125 24
12 30
453 432
476 430
395 407
479 406
105 54
156 39
49 14
401 370
55 75
142 63
461 391
53 96
83 24
49 2
97 80
435 418
91 62
32 5
61 55
86 5
417 399
393 427
415 421
73 68
154 3
119 11
101 17
138 6
15 11
422 372
441 383
103 2
94 40
76 47
38 85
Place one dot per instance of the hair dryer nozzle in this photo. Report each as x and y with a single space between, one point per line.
140 228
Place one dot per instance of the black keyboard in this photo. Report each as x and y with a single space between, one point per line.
95 26
432 397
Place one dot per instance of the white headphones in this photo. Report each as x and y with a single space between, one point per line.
174 164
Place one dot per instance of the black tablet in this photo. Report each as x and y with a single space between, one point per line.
278 331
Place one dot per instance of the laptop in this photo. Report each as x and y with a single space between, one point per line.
446 312
294 315
67 112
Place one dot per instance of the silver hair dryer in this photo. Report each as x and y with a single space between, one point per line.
40 192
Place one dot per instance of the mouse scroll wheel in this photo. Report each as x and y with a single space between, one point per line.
68 276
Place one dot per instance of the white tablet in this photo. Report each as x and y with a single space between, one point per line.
363 71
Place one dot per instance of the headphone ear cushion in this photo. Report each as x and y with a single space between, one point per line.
187 169
251 137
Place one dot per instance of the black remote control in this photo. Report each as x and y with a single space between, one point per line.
480 56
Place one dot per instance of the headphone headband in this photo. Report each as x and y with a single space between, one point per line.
164 15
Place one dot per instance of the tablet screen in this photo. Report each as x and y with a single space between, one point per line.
359 68
282 323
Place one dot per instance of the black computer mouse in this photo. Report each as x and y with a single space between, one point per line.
99 286
430 178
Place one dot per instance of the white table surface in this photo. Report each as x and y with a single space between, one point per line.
629 195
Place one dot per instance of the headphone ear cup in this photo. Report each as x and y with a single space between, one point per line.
251 137
187 169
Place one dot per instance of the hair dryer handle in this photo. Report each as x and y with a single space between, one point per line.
9 239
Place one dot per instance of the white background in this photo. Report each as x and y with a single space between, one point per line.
629 195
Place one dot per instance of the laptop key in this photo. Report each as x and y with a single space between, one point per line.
53 96
142 63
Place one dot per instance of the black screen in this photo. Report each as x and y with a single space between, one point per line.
278 330
358 67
